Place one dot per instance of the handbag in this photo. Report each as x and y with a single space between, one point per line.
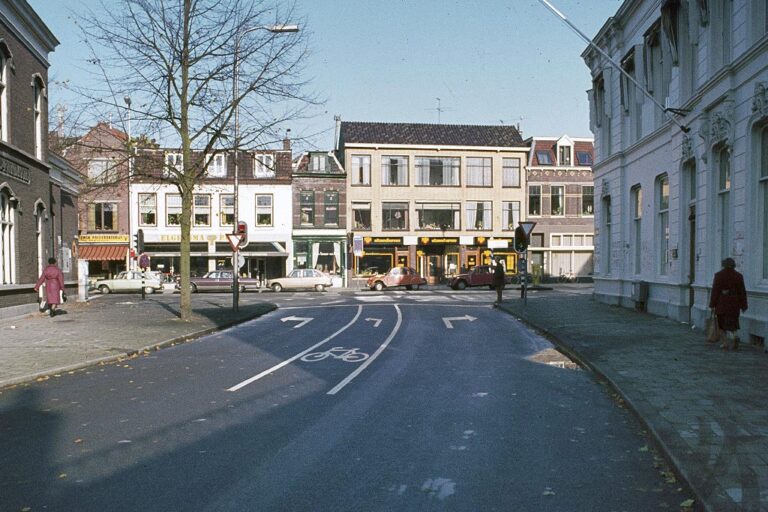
43 304
713 330
63 296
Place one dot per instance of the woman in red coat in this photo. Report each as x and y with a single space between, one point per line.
729 297
53 279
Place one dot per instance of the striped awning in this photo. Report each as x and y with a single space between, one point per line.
102 252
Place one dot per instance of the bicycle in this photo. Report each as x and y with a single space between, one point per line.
566 277
348 355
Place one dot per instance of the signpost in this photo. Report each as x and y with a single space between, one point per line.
143 265
235 241
522 239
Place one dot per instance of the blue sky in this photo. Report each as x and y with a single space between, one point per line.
489 61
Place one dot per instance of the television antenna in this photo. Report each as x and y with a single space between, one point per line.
439 109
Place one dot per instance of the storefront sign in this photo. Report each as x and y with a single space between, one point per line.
194 238
393 240
14 170
104 239
425 240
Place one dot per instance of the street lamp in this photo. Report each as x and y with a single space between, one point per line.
279 28
127 100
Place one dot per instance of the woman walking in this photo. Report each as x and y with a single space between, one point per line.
53 279
499 280
728 297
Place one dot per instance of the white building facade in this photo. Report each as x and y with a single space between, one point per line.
677 191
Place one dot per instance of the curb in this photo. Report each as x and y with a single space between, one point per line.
184 338
562 346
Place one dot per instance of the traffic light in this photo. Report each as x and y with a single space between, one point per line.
521 239
242 230
138 239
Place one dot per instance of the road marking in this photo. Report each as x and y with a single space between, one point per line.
348 355
371 359
301 320
376 321
448 319
341 301
299 355
374 298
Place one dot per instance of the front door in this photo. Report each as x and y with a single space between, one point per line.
434 268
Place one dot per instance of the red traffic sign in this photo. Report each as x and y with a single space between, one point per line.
234 241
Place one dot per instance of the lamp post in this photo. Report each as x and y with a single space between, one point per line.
277 29
127 100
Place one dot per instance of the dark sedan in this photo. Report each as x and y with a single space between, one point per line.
221 281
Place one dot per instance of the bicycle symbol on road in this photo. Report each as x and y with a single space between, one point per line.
348 355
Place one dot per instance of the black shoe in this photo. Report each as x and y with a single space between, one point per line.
51 312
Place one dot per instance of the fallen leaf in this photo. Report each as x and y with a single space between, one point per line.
687 503
63 475
643 449
78 441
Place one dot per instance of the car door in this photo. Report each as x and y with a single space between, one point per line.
395 277
224 282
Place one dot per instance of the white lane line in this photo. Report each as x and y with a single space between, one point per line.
299 355
368 361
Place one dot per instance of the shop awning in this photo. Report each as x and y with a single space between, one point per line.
102 252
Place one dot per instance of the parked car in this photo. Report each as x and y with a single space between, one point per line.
131 281
220 281
481 275
301 278
396 276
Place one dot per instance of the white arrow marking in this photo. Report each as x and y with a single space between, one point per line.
376 321
299 319
448 319
333 302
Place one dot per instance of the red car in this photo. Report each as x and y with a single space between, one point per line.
397 276
481 275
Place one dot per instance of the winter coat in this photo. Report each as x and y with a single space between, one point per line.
728 297
53 279
498 276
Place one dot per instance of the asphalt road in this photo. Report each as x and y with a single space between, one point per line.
411 401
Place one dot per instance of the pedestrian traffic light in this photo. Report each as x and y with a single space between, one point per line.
242 230
521 239
138 239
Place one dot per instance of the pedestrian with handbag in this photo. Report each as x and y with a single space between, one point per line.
728 299
499 280
53 279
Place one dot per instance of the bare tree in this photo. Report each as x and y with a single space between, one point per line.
179 59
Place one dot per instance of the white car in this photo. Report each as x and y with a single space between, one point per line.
301 278
130 281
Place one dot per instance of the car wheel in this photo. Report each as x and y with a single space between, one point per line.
461 285
378 286
148 290
193 288
491 287
319 288
409 287
242 288
277 288
104 289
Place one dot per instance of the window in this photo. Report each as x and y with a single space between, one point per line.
763 191
362 216
534 200
227 210
217 165
631 107
7 238
102 217
361 170
479 215
394 216
438 216
584 158
557 200
437 172
510 172
510 212
606 242
173 161
331 204
307 207
264 209
4 59
479 172
587 200
264 166
202 212
637 219
38 112
662 192
544 157
148 209
102 170
318 163
173 210
724 201
658 69
394 170
564 155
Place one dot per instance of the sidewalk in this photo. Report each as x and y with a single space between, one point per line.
706 407
108 328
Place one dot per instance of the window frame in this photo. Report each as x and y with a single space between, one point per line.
505 214
204 210
401 170
175 160
264 165
170 209
386 223
361 170
331 204
561 200
307 207
482 165
96 216
487 216
455 214
662 215
226 210
508 168
261 209
531 203
429 170
544 157
356 208
591 196
217 161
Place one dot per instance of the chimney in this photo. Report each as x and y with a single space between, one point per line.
287 140
337 133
